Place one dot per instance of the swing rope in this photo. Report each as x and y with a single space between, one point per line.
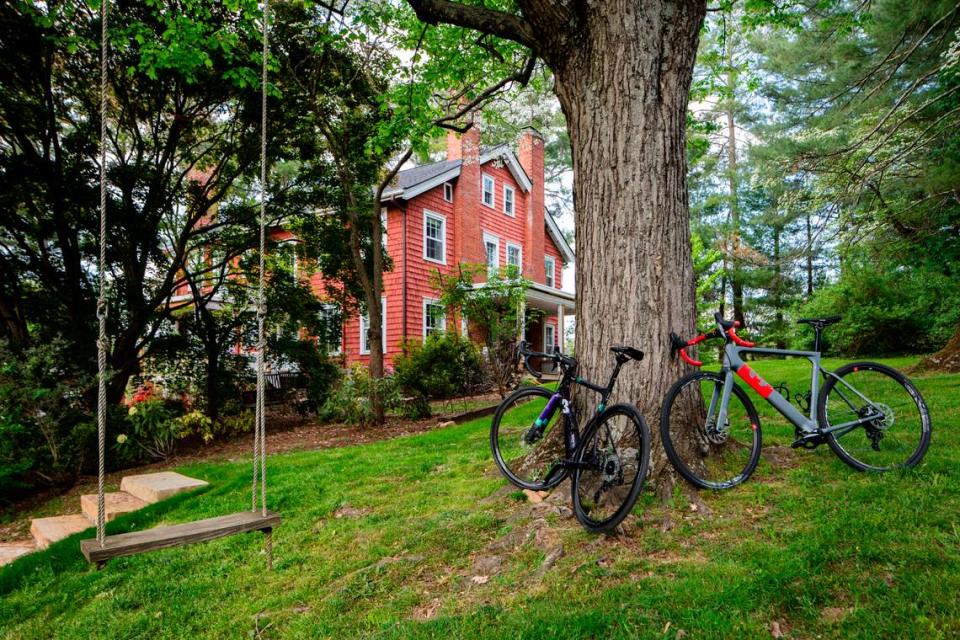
259 436
102 345
259 439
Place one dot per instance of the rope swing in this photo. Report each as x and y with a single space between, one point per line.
257 519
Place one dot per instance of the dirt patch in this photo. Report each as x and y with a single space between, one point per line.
781 457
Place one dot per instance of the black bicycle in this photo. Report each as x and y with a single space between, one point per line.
608 463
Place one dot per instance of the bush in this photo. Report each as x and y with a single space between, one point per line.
444 366
351 402
46 433
155 425
320 374
885 311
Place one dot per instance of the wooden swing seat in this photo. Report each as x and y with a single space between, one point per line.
128 544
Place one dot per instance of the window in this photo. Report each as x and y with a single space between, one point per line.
434 237
550 270
514 259
434 317
464 326
508 197
491 244
448 192
365 324
548 338
488 186
332 337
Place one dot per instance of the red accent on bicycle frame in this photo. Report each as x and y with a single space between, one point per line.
756 383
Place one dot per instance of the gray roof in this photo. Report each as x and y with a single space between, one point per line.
410 177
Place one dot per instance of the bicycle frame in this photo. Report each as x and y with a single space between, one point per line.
732 362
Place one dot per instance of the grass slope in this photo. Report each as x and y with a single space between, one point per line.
411 538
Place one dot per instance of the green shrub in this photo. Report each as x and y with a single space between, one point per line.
350 402
320 374
46 434
155 427
445 366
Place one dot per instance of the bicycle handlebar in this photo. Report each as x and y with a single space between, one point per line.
725 329
524 352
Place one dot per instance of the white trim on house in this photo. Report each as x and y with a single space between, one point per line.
448 191
443 220
502 151
550 271
364 320
483 190
561 243
512 201
512 162
495 240
327 306
443 318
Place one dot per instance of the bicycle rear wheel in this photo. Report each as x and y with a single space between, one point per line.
900 434
527 442
612 464
707 454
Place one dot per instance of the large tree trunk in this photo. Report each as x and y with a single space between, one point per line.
947 360
624 93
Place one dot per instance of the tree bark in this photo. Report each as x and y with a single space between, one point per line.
625 94
622 71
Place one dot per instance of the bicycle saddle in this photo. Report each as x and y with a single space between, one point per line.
820 321
628 352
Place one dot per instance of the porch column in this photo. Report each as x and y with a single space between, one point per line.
521 319
560 340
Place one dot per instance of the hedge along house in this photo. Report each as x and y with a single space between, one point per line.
477 206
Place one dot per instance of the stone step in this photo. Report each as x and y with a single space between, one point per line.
46 531
116 504
153 487
10 551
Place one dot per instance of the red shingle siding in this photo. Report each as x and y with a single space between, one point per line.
550 249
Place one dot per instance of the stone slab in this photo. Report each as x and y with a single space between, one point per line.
10 551
46 531
153 487
115 504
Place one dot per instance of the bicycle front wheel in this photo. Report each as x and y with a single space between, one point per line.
708 454
612 463
527 439
898 434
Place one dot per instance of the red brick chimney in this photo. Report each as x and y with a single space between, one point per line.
531 159
467 242
453 146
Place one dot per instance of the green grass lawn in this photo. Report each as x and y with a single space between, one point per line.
411 538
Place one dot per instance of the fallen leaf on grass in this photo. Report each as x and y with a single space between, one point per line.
480 579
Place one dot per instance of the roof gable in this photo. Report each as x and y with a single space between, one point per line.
412 182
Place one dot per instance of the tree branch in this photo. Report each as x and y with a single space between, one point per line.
495 23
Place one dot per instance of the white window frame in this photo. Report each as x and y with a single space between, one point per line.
427 214
512 201
519 265
464 325
550 271
339 350
443 319
448 191
495 240
548 345
483 190
364 321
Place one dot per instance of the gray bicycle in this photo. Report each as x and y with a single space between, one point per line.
869 414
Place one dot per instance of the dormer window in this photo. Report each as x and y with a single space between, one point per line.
448 192
488 187
508 200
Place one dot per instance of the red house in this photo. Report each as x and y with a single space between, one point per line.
477 206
